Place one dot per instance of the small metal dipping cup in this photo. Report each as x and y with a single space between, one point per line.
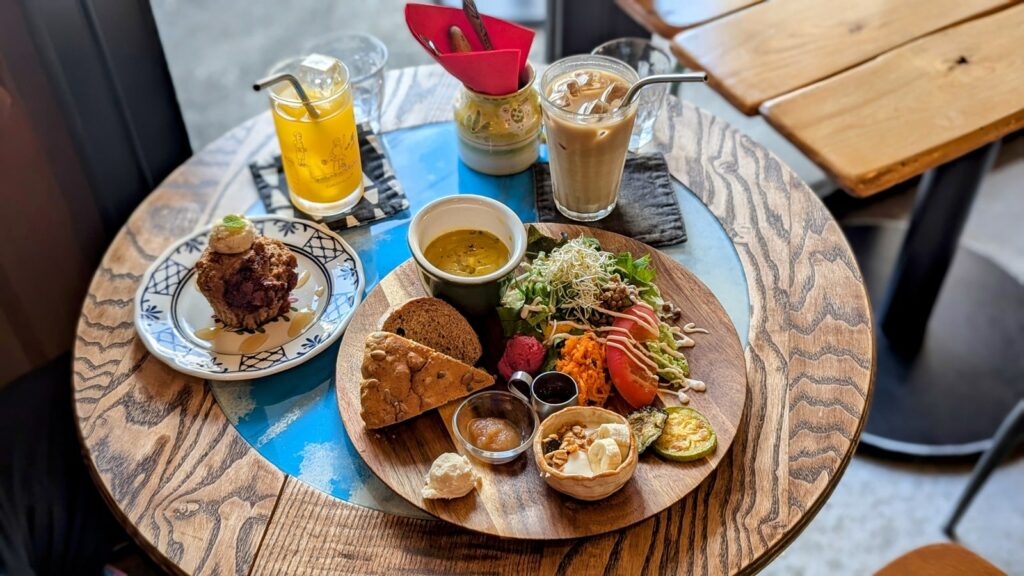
547 393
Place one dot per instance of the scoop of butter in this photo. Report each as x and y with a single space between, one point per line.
604 455
620 433
450 476
232 235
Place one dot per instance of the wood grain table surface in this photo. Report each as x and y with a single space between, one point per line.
201 500
875 92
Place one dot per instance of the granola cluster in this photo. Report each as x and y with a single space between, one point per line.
569 439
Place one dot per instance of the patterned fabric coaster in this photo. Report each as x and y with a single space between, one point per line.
382 194
647 210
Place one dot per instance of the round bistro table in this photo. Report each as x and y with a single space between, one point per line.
200 499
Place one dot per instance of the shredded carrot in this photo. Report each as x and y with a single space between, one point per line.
582 357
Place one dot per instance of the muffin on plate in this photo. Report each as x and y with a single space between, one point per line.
246 277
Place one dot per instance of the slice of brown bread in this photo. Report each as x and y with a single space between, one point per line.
402 379
435 323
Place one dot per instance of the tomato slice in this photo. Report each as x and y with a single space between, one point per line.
634 383
640 331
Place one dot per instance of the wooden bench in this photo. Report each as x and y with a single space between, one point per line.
913 108
775 47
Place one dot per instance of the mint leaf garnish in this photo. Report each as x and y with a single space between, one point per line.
234 222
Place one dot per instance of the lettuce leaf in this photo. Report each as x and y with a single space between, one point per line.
538 242
640 273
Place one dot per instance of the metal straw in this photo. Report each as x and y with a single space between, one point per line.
271 80
658 78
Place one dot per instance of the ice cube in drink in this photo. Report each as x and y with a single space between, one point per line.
588 135
320 153
321 75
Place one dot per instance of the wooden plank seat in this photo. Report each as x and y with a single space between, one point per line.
913 108
666 18
940 560
775 47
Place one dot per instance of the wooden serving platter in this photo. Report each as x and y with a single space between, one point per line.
514 501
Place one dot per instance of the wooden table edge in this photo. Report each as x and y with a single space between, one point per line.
744 106
816 506
893 173
157 555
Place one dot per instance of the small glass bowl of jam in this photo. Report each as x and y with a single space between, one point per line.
495 427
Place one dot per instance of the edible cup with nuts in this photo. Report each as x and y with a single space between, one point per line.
573 421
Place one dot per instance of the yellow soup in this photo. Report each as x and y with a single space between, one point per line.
467 252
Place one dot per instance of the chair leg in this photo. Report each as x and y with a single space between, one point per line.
1002 443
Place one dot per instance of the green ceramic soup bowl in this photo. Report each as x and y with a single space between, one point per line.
476 295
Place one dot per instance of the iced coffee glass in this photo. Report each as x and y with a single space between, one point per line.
587 132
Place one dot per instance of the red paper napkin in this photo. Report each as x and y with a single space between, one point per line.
494 72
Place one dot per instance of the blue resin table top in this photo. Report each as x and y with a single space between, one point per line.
292 418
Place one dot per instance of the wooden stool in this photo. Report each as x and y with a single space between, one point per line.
940 560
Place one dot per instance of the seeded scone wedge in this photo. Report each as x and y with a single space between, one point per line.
402 379
435 323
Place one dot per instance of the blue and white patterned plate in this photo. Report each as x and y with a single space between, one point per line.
177 324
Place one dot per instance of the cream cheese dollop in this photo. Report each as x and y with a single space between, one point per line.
232 235
450 476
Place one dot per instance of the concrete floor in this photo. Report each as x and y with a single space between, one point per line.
881 508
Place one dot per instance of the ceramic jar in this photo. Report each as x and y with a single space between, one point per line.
498 135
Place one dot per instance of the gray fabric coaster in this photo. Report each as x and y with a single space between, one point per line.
647 210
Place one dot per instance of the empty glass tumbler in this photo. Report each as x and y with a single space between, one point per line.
365 56
647 59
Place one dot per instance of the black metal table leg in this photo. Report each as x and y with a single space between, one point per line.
1006 438
950 355
943 203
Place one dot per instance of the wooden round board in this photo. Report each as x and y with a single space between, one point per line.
513 500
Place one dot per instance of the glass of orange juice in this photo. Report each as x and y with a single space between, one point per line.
320 152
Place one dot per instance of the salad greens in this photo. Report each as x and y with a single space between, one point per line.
537 242
566 280
672 365
639 273
567 287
